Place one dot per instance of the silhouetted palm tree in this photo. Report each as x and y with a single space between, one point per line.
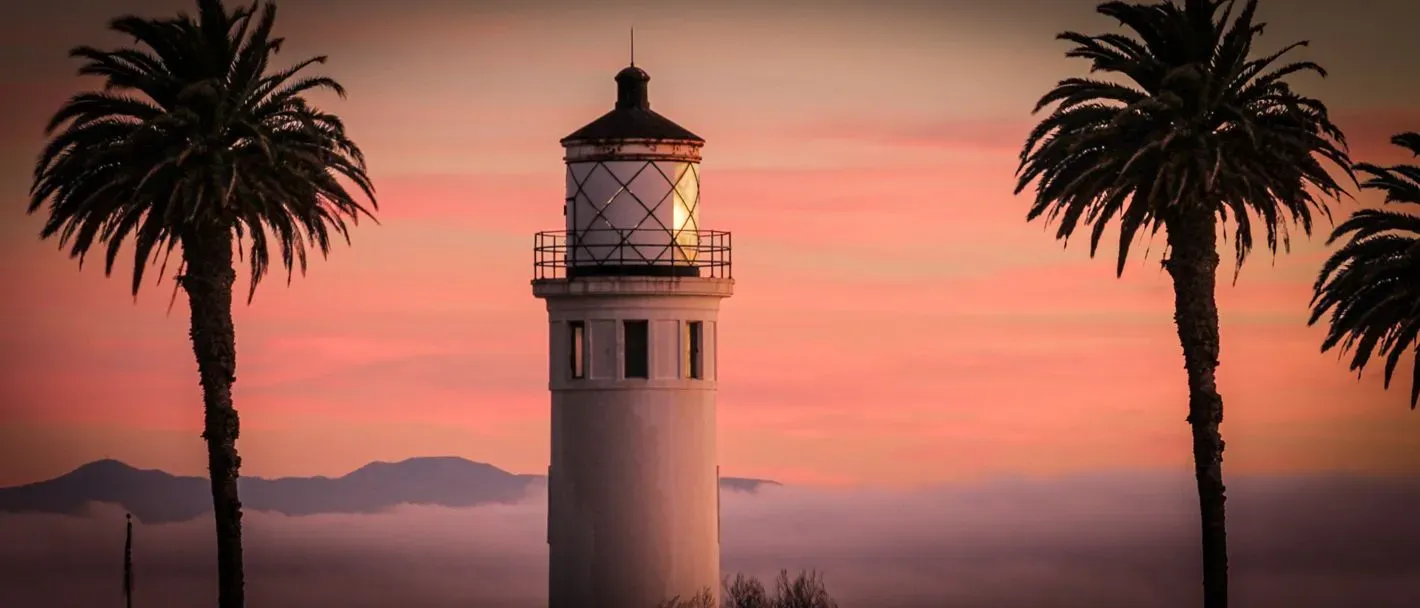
1188 130
1371 286
198 142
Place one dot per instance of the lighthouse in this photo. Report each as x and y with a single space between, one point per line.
633 288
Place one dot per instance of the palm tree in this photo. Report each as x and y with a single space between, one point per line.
196 142
1371 286
1187 131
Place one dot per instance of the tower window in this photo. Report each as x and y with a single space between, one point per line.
577 343
637 335
694 346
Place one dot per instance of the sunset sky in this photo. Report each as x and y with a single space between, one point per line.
896 321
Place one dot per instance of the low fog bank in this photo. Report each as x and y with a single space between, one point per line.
1123 540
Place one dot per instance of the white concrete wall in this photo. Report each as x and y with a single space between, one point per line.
633 505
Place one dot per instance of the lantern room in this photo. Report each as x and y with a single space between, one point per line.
633 197
633 288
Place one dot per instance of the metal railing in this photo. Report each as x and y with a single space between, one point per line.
559 254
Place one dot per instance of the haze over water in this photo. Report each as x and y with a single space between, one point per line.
1107 541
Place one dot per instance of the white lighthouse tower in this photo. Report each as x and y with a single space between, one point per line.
633 287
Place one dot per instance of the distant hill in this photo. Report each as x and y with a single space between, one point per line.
159 497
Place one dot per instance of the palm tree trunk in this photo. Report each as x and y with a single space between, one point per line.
1193 264
208 282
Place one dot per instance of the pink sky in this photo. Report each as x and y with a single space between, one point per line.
896 321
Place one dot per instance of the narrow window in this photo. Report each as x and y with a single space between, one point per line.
577 334
637 334
694 345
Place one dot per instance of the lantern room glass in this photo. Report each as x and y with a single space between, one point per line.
633 211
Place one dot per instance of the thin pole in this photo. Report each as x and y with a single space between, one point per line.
633 46
128 563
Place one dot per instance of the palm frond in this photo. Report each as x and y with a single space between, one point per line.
1182 115
1370 286
194 127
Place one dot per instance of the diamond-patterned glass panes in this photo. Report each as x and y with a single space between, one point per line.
583 212
577 175
686 210
633 212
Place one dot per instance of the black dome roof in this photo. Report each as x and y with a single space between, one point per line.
632 117
633 73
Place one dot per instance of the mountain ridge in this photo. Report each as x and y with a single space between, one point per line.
156 496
